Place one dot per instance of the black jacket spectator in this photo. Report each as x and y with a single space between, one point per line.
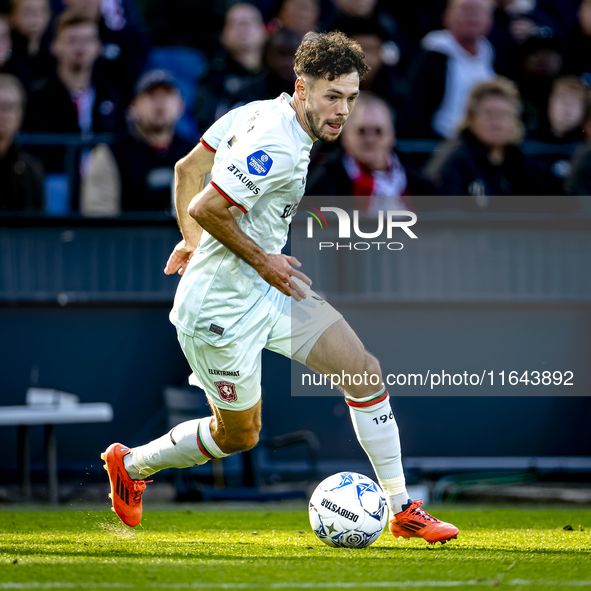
462 167
235 67
51 110
21 176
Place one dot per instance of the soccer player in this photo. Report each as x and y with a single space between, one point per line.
238 294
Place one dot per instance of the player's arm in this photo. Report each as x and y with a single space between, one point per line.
189 177
211 211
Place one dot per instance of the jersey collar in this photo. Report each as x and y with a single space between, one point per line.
284 101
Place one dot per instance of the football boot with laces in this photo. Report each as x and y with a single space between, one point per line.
415 522
126 494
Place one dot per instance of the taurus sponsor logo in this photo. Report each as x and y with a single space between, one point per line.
222 372
259 163
339 510
244 179
227 391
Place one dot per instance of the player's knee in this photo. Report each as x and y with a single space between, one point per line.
241 440
372 378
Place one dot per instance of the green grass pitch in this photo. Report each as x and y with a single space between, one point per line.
272 547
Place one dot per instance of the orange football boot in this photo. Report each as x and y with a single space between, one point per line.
126 494
414 522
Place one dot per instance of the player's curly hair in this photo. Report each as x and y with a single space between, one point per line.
329 55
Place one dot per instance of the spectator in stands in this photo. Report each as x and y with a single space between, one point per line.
299 16
74 99
136 173
566 114
397 49
453 61
579 180
542 61
579 44
31 38
21 175
366 175
237 64
387 75
563 125
7 64
515 21
485 160
124 38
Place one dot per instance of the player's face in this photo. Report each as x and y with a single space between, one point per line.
329 104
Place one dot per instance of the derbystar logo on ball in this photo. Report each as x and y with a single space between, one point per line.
259 163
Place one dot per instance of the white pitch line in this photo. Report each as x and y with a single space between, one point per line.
287 585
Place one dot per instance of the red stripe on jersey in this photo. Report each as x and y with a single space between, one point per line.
206 145
377 400
228 198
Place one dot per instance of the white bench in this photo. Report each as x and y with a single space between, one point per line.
49 408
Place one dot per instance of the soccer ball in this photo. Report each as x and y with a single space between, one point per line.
348 510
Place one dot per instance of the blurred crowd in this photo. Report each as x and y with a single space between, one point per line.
468 102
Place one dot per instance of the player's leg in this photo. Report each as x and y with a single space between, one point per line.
195 442
338 350
315 334
189 444
230 376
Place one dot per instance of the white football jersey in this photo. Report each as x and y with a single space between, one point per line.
261 162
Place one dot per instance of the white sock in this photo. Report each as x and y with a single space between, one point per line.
188 444
377 432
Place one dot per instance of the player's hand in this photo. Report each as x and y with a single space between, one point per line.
179 259
278 271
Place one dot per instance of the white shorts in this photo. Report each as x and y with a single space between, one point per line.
231 375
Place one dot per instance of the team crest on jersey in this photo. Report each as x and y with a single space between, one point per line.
227 391
259 163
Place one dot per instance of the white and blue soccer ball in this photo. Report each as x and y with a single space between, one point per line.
348 510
